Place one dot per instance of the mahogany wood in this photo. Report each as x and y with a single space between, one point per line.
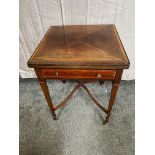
62 104
80 47
83 53
114 89
45 90
93 98
78 74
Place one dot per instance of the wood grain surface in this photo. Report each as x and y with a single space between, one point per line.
80 47
78 74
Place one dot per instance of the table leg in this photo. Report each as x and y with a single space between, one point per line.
114 89
63 81
101 83
45 90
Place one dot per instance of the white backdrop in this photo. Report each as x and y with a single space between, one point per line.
35 17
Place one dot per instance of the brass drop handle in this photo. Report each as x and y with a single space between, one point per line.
99 75
57 74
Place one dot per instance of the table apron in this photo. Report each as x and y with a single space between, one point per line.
78 74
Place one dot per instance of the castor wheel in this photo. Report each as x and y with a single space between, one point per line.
54 118
105 121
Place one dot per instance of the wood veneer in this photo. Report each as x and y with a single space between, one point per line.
83 53
80 47
78 74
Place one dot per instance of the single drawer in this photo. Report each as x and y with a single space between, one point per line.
78 74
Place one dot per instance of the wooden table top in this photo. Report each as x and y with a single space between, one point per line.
80 47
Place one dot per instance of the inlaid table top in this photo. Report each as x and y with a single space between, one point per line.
81 47
82 53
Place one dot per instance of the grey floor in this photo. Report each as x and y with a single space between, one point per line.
79 129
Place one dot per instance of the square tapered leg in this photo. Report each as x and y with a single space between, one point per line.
114 89
45 90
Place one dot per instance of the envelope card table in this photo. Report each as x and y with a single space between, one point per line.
82 53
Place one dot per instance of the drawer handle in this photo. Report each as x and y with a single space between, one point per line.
57 74
99 75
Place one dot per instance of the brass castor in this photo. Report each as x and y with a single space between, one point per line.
54 118
105 121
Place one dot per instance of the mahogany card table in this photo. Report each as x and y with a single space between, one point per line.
82 53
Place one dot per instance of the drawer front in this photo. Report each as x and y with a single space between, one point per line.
78 74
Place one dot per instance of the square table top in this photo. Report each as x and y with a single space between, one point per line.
80 47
